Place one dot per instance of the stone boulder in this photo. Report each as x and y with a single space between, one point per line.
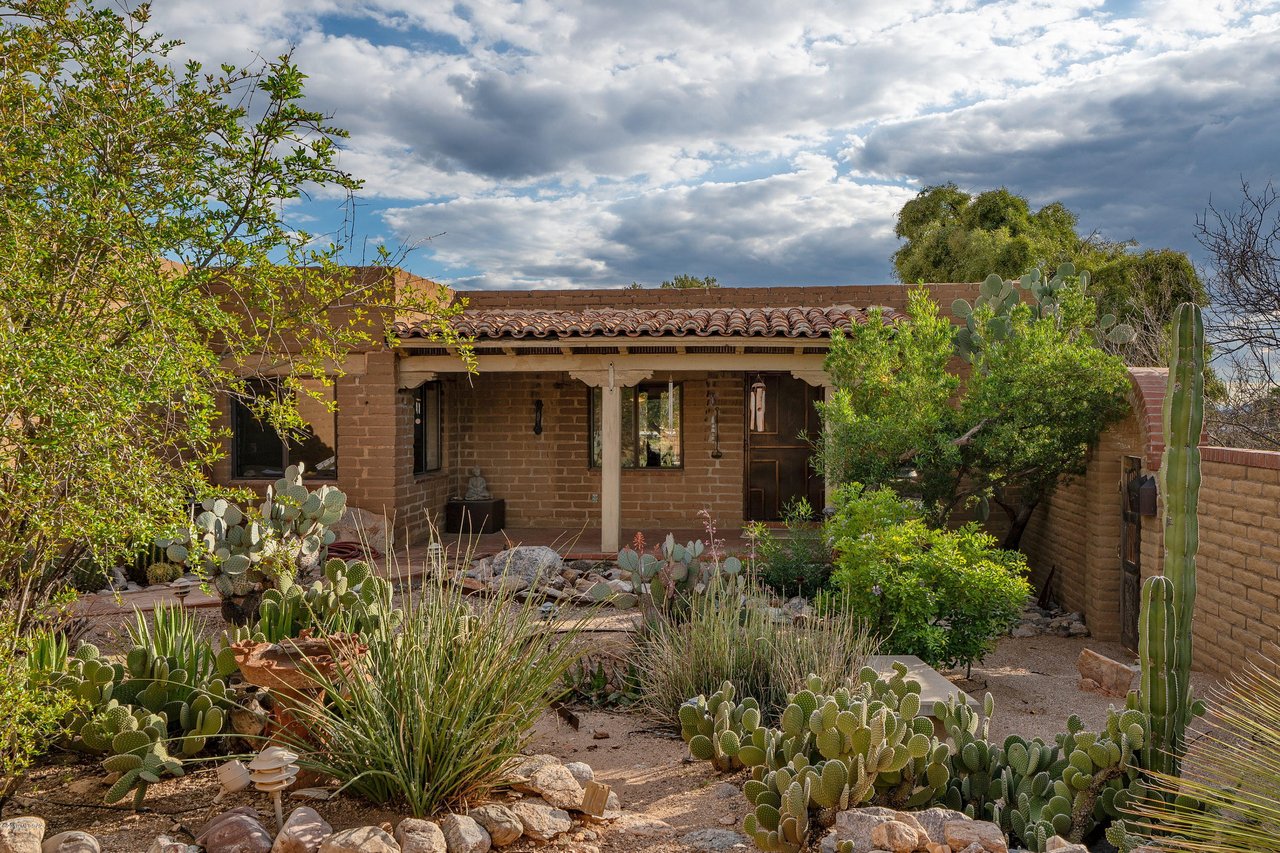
71 842
963 834
361 526
415 835
361 839
642 825
303 832
235 831
502 824
1112 677
541 822
897 837
464 835
555 784
1058 844
857 825
536 565
21 834
581 771
933 821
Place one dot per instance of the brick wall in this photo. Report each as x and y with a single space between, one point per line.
1238 565
545 478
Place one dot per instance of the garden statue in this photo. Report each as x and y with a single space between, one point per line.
477 487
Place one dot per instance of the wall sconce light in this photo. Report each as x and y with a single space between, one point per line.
1147 496
537 417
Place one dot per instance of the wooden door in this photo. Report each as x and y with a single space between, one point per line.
1130 553
780 446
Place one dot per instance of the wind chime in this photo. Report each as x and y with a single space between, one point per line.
756 409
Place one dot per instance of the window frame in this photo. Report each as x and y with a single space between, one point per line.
261 385
634 437
418 404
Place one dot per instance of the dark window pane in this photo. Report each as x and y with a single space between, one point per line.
427 426
259 451
651 420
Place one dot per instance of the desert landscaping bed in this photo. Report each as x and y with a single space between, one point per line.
685 805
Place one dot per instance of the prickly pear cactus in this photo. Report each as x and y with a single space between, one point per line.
242 552
989 317
668 578
349 598
715 728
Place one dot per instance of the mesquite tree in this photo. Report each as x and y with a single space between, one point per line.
145 260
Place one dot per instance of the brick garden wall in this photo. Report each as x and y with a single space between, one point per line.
1238 566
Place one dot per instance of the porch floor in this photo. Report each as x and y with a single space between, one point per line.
576 544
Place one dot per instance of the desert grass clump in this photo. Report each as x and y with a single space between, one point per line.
1227 799
730 635
432 714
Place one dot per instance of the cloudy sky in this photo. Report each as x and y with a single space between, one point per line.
551 143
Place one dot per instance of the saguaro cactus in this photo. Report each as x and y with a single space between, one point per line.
1168 602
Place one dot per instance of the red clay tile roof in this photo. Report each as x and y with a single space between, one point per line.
492 323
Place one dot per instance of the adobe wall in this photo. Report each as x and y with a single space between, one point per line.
860 295
545 478
1238 565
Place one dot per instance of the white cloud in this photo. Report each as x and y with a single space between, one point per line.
584 141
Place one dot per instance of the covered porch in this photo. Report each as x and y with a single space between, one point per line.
588 439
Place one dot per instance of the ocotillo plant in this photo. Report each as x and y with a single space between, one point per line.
1168 602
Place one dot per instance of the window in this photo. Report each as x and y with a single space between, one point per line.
259 452
651 426
427 427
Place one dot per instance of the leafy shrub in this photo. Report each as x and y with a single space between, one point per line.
730 635
31 708
944 595
431 715
798 563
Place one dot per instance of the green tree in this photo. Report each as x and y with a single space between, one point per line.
952 236
684 281
146 263
1039 393
891 408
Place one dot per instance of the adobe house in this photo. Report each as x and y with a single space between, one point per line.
605 411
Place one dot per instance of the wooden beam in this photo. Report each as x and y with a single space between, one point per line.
655 362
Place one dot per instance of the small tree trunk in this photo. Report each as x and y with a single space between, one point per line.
1018 521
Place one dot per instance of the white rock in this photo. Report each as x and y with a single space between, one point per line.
71 842
303 832
21 835
557 785
541 822
581 771
415 835
503 825
361 839
358 525
464 835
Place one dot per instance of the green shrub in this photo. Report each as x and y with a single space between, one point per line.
944 595
730 635
31 708
433 713
798 563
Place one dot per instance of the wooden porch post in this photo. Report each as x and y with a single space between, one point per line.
610 465
610 382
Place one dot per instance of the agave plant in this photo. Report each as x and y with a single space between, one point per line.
1228 797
